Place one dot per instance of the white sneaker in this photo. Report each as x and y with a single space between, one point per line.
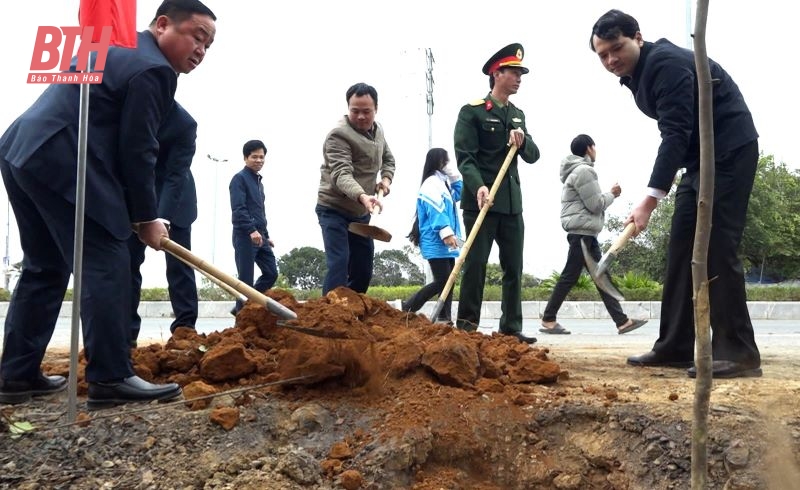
397 304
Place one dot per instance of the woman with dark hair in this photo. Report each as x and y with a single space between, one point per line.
436 227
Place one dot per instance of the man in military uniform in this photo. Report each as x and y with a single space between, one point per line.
484 132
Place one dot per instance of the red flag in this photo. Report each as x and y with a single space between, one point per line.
119 14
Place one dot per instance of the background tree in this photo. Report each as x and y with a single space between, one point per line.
773 222
395 268
768 247
304 267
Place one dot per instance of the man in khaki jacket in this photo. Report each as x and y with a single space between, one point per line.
356 153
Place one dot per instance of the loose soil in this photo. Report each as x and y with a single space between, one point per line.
400 403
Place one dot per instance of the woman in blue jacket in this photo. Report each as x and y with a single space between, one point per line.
437 227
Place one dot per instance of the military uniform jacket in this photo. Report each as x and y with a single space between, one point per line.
481 139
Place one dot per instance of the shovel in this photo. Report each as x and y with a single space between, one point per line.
462 255
230 282
609 257
602 281
371 231
184 256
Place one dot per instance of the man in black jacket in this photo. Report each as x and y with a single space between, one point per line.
251 241
663 81
177 208
38 162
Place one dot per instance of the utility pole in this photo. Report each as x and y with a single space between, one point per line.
218 161
429 97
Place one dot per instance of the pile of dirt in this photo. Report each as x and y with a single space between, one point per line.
380 399
379 345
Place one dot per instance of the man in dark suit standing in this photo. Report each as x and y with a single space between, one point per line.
251 241
38 165
177 208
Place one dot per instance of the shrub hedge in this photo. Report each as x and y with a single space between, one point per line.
491 293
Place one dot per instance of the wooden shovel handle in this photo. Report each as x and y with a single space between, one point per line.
474 232
626 235
235 284
379 208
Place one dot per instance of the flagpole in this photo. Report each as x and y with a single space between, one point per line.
77 257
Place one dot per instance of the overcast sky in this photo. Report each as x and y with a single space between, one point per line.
278 71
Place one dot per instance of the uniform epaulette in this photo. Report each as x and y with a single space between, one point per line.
477 102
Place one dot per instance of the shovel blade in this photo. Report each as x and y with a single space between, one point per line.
600 278
370 231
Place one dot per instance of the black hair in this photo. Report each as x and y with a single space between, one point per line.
361 89
435 160
252 146
612 24
180 10
581 144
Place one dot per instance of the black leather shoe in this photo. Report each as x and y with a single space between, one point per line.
466 325
14 392
521 337
133 389
654 359
729 369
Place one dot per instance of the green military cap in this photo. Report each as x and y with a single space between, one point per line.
510 56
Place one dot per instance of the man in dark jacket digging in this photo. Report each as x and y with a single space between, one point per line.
663 81
177 207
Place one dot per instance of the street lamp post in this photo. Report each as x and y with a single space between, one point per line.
214 223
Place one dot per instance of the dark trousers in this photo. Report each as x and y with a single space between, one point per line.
441 269
180 282
349 257
732 338
246 254
508 230
569 277
46 224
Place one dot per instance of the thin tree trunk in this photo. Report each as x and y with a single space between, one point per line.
705 202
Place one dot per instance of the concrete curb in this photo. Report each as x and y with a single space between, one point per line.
759 310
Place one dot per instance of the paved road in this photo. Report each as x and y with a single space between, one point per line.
774 337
